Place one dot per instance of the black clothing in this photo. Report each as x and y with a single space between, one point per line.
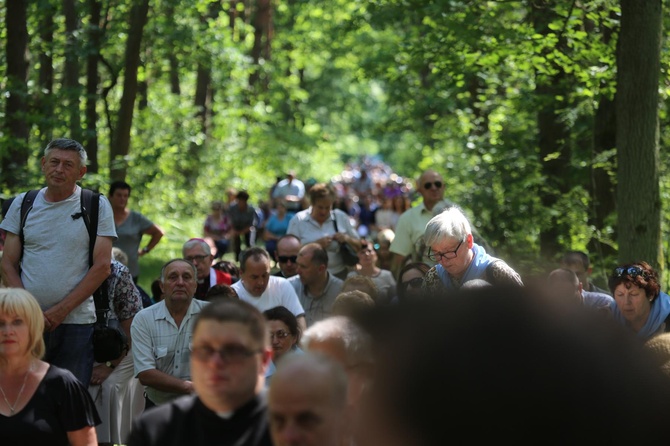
60 405
187 421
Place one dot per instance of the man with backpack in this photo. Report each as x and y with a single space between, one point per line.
50 252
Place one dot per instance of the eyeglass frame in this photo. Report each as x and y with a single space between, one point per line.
199 258
280 334
443 255
231 354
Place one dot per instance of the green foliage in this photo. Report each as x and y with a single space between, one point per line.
443 84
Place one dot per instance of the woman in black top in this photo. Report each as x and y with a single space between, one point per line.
39 403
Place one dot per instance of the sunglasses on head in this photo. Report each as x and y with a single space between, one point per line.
631 271
285 259
428 185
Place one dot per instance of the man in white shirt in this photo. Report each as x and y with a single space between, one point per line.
263 290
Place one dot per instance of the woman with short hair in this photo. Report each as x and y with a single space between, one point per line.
40 403
640 305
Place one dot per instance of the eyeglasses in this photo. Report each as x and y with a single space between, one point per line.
437 184
632 271
279 334
230 353
285 259
438 256
412 283
196 258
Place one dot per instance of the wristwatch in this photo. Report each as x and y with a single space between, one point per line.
110 365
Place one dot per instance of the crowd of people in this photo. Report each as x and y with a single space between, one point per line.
347 317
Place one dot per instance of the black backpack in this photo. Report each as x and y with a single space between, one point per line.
108 343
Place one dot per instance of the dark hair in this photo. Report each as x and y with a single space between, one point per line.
227 267
648 280
284 315
242 195
221 290
119 185
255 253
573 257
419 266
285 236
352 303
235 310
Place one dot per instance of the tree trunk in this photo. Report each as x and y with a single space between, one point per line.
262 36
553 139
71 85
44 98
120 145
93 59
15 156
638 193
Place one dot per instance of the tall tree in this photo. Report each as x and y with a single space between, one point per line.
120 144
71 83
44 97
92 62
15 157
638 192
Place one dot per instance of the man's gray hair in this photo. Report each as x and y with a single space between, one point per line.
450 223
195 270
357 343
67 144
196 242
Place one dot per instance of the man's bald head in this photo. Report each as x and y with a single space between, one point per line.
308 401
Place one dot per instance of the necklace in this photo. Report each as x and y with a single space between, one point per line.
12 408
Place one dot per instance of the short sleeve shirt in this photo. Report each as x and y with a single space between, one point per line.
279 292
130 236
159 344
55 249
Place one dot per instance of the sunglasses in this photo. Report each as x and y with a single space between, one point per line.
631 271
437 184
285 259
414 283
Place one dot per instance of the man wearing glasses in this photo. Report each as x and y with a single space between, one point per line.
161 335
458 258
228 362
409 233
198 252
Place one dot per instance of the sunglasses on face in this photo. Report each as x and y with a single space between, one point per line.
285 259
413 283
631 271
428 185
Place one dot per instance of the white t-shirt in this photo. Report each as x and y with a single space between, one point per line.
279 292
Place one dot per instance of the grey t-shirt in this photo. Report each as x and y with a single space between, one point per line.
129 238
55 252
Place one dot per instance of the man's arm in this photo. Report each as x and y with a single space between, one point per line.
396 265
302 323
166 383
99 271
11 259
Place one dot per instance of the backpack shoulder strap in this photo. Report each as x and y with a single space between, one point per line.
26 207
90 206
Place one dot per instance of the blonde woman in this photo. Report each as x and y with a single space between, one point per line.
39 403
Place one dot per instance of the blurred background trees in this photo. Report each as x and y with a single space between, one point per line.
525 107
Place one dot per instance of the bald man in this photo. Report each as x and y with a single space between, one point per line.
308 402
